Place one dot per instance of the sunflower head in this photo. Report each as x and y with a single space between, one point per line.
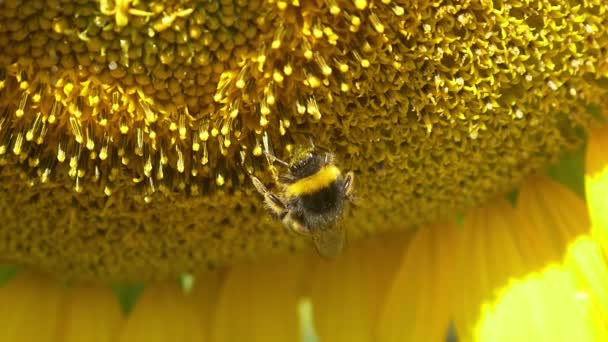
129 129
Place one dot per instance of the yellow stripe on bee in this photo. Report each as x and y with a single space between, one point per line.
313 183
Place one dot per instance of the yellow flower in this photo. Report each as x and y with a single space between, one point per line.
533 272
129 130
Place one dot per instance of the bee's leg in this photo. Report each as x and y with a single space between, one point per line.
276 206
270 156
273 159
348 184
294 225
329 158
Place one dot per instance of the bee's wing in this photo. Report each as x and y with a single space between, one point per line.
329 241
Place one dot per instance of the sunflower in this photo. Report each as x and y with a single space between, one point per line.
129 131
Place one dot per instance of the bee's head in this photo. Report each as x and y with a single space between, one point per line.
306 162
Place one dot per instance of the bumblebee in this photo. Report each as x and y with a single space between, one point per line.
311 198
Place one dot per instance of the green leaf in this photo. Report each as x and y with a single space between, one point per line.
595 110
186 282
127 295
307 325
512 197
570 171
460 220
7 272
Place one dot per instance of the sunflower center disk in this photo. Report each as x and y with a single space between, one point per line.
128 128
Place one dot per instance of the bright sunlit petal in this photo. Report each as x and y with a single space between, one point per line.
417 306
561 295
561 219
489 256
596 184
590 271
544 306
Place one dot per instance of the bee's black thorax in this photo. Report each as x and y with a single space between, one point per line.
321 207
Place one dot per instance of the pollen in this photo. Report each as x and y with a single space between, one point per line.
144 121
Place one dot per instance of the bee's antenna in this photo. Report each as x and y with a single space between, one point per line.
310 141
305 134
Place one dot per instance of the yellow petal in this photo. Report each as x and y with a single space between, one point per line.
204 297
258 302
544 306
91 313
596 184
557 216
561 294
348 293
590 271
417 307
489 256
164 312
560 219
30 308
